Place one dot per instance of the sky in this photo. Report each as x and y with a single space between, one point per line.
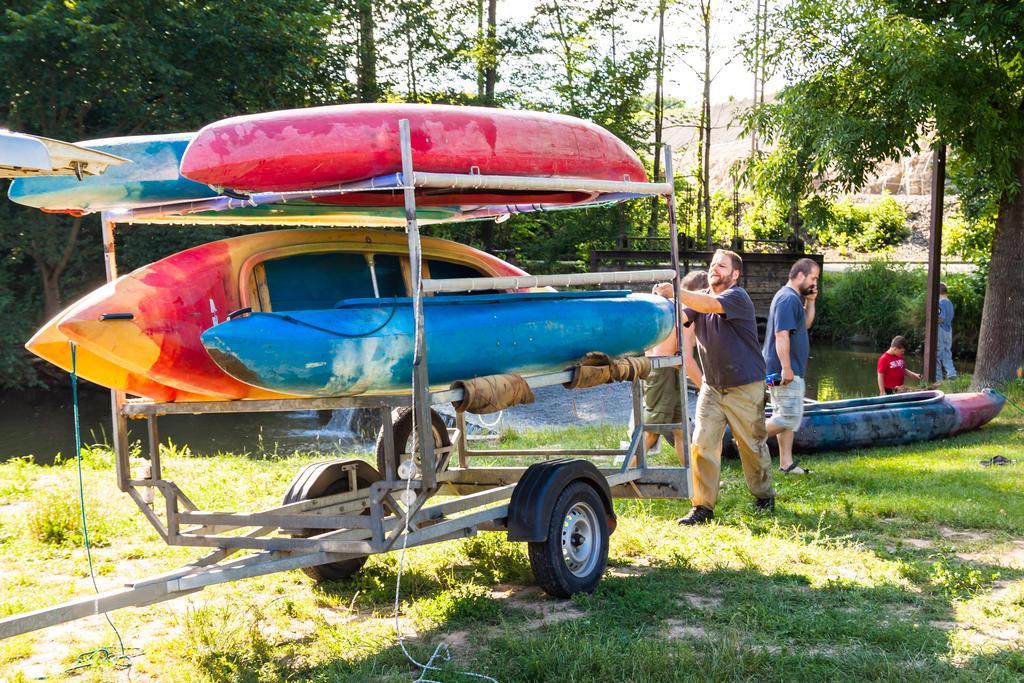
733 80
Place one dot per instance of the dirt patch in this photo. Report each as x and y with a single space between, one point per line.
702 601
943 625
13 510
917 543
457 640
904 612
962 535
1010 555
677 630
627 572
548 610
1002 589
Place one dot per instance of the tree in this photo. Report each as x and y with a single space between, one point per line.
92 68
366 67
871 77
490 64
659 110
600 73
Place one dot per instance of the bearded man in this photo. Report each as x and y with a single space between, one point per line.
733 390
786 348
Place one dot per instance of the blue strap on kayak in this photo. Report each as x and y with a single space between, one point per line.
92 657
303 323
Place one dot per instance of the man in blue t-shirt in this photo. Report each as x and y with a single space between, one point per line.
944 349
785 351
732 394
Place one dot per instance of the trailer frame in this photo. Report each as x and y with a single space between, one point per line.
393 511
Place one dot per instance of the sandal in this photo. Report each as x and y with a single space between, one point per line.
794 469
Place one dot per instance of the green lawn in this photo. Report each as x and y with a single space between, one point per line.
895 564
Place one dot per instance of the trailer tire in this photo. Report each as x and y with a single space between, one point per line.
573 557
308 478
401 422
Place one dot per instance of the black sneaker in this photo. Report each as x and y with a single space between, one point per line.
698 514
764 504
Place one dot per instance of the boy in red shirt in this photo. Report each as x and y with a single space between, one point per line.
892 367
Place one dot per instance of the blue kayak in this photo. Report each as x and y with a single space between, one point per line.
366 345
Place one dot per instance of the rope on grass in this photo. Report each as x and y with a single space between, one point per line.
1010 401
442 650
122 660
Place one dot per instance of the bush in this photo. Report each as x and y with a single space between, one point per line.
884 299
863 228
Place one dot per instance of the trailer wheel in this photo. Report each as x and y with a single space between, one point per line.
324 480
573 557
405 440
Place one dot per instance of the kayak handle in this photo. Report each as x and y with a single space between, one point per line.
117 316
241 311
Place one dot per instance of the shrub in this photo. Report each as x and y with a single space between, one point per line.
55 521
868 301
872 228
884 299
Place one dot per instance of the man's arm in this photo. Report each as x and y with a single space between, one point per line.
782 351
700 302
881 384
692 367
809 307
912 374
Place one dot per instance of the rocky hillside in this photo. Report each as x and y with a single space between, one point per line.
908 181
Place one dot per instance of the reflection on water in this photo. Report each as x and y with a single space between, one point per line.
835 373
44 427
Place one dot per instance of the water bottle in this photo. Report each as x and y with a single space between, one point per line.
773 380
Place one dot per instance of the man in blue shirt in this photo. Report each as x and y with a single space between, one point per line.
732 394
785 351
944 349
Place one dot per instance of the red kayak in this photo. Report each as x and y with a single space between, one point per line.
302 149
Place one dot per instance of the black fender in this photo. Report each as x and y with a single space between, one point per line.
534 497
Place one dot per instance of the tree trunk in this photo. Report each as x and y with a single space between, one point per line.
706 167
51 291
757 72
50 273
481 51
491 70
659 114
366 78
1001 341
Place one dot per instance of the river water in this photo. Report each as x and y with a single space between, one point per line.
43 425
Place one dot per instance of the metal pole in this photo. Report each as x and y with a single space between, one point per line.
931 318
120 422
420 383
673 231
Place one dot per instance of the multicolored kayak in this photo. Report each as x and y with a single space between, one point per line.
893 420
303 149
152 178
366 345
141 333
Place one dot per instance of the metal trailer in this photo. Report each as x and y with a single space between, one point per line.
337 513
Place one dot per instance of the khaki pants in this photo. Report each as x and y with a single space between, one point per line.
742 408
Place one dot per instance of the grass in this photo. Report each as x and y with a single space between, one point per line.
889 564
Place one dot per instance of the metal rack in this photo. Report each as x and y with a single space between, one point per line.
370 517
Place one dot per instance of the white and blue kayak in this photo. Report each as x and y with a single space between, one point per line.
366 345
